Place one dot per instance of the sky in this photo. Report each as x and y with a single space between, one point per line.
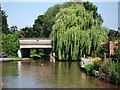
119 14
23 14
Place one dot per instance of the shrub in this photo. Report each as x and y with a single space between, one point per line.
10 44
96 61
37 53
103 49
116 56
105 68
115 71
89 68
112 69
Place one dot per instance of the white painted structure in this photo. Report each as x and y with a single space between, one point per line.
85 61
29 43
19 53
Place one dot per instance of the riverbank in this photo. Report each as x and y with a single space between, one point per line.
102 74
14 59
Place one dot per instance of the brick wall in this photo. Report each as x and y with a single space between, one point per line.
112 45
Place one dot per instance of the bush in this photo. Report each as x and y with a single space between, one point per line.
96 61
37 53
89 68
115 71
105 68
112 69
116 56
10 44
103 49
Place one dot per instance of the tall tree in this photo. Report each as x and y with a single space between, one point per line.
43 24
27 32
5 28
38 26
114 35
91 7
10 44
76 32
13 29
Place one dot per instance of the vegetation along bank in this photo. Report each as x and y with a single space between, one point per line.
75 29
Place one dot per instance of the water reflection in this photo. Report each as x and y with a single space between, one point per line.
52 60
19 68
47 74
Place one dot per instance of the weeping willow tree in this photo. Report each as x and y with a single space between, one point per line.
76 33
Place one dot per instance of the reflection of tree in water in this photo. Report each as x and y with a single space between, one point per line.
44 73
54 72
9 69
37 69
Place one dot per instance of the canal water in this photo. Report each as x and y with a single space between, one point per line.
46 74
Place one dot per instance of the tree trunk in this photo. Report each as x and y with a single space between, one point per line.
92 52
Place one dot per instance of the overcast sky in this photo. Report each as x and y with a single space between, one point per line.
23 14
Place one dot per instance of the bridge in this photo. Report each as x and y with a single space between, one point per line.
32 43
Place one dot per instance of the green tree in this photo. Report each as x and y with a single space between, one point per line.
19 34
38 26
10 44
49 19
43 24
5 28
13 29
90 7
27 32
113 35
104 49
76 32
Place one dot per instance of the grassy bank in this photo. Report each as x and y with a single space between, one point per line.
106 70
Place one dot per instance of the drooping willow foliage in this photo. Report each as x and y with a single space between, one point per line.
76 33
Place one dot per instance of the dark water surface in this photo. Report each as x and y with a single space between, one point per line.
46 74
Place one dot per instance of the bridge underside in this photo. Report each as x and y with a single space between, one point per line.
24 51
35 46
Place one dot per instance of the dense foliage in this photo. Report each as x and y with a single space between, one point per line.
38 27
10 44
37 53
13 29
116 56
76 32
27 32
114 35
112 69
96 61
4 26
43 24
103 50
89 68
8 40
90 7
